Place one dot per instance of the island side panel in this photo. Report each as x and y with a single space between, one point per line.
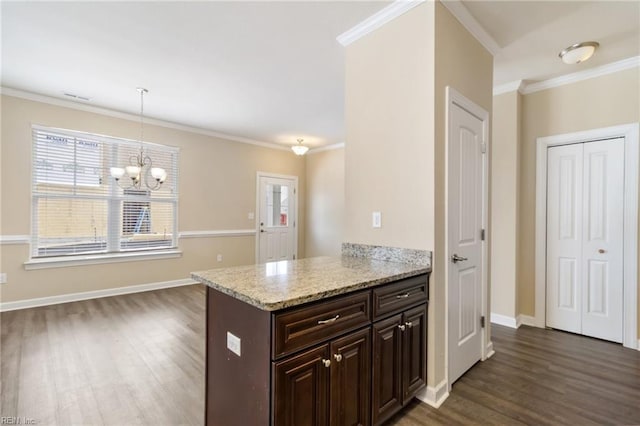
237 387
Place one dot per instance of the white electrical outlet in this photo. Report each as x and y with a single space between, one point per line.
3 278
233 343
251 216
377 220
219 258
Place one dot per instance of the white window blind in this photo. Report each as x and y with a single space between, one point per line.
78 208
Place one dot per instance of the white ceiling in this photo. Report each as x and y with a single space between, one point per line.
267 71
530 34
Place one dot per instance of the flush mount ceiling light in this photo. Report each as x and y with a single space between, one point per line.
140 168
299 149
579 52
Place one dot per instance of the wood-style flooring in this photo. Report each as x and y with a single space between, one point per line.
139 359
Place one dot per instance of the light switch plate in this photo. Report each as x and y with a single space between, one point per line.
3 278
233 343
377 219
219 258
251 216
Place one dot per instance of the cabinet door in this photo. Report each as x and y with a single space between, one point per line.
414 351
301 389
387 363
351 379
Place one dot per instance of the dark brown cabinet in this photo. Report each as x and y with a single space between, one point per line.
399 361
325 385
353 359
302 389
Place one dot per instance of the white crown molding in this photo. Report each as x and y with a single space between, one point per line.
14 239
74 297
469 22
326 148
508 87
377 20
217 233
16 93
582 75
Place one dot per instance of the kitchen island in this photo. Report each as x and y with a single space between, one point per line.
318 341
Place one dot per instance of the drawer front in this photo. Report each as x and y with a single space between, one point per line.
308 325
400 295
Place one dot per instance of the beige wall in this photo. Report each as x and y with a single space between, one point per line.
395 117
504 202
590 104
389 133
325 203
464 64
217 191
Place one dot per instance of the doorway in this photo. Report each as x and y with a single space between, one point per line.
277 211
582 300
467 165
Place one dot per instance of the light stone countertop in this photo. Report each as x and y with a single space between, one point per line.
277 285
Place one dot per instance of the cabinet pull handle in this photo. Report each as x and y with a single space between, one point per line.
401 327
338 357
402 296
326 362
327 321
409 324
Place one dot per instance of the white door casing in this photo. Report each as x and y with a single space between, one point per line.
466 218
630 134
277 236
584 238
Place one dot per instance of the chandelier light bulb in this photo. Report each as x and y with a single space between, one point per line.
117 172
299 149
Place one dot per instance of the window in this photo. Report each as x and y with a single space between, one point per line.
78 208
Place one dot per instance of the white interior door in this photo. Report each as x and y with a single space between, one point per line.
564 237
277 233
465 195
585 217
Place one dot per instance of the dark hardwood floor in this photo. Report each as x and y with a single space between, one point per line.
139 359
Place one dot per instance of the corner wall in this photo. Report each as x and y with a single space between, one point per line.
504 203
325 203
464 64
389 133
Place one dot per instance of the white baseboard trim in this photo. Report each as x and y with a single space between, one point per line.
489 351
503 320
526 320
434 396
74 297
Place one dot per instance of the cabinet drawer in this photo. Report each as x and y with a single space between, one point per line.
400 295
311 324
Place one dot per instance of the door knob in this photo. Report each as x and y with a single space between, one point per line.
601 251
402 327
326 362
262 230
338 357
455 258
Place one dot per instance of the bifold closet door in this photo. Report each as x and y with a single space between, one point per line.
585 203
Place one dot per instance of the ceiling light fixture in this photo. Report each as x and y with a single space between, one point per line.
578 52
140 166
300 149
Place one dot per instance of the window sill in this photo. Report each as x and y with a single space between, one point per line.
97 259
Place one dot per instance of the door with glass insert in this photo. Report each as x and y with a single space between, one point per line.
277 221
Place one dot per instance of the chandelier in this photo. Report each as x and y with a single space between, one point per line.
300 149
140 169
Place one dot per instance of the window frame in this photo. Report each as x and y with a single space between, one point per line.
115 198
